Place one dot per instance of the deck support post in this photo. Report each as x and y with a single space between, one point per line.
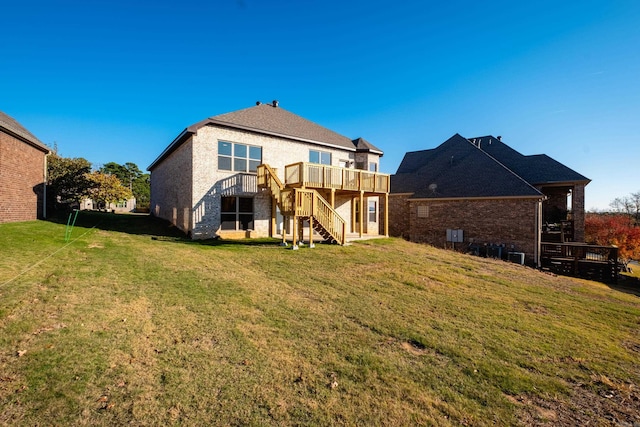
294 244
360 213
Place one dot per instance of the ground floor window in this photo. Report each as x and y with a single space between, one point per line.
236 213
373 211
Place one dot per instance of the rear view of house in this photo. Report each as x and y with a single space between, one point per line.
264 171
22 173
480 194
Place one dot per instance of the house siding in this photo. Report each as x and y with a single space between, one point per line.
508 222
22 178
206 184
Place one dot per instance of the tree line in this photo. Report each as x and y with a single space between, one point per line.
71 180
619 227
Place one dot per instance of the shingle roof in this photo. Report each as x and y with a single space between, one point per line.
535 169
271 119
457 168
11 126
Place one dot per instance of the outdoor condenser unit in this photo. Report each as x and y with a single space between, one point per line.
516 257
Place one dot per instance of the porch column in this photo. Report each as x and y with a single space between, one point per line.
360 215
577 211
333 198
386 214
274 226
294 243
285 226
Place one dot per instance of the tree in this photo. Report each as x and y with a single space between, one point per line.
132 177
142 190
629 205
126 173
614 229
107 189
67 178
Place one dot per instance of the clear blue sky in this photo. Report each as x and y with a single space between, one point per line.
119 80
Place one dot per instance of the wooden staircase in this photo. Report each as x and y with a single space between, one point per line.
303 204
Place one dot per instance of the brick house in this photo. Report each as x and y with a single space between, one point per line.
253 172
23 165
480 194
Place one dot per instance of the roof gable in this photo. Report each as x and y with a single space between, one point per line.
457 168
270 119
11 126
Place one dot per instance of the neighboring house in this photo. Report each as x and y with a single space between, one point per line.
480 194
23 166
128 205
263 171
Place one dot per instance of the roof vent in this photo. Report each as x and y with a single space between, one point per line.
258 103
275 103
499 138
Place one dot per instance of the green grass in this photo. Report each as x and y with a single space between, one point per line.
129 323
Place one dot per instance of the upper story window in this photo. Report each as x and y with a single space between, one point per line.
373 167
321 157
238 157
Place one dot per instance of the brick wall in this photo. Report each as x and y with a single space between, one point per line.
21 180
578 212
399 215
511 222
171 188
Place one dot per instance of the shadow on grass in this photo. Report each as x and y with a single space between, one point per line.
148 225
627 284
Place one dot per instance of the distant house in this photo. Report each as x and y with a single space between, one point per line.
23 165
479 194
264 171
128 205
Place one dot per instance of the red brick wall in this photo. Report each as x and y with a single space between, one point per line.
399 216
21 180
511 222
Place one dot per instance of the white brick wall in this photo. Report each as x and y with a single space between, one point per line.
187 186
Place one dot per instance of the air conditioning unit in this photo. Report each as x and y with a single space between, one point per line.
516 257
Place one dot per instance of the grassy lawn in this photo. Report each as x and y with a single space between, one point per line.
129 323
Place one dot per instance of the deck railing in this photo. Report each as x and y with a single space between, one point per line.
581 260
312 175
310 204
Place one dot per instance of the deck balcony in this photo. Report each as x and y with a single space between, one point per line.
312 175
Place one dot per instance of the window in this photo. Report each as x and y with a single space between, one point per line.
238 157
236 213
423 211
321 157
373 167
373 211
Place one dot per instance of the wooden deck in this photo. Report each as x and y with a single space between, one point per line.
591 262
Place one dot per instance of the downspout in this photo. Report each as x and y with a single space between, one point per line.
45 174
538 234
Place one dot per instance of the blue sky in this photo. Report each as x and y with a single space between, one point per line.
119 80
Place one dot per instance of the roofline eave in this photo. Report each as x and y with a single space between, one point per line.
35 144
171 147
443 199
